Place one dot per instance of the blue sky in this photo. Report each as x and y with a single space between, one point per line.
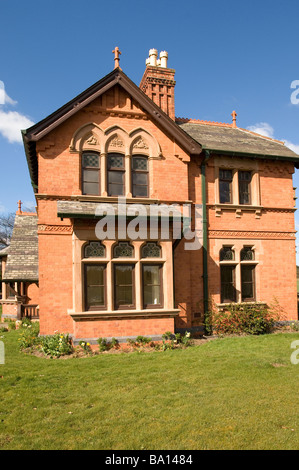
227 55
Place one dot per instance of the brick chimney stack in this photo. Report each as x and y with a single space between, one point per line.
158 82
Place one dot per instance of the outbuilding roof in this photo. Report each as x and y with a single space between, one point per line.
22 259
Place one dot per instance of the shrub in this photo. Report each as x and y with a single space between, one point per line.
172 341
29 335
142 340
105 345
114 343
254 319
56 345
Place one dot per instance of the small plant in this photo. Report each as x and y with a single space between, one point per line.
142 340
25 322
56 345
3 329
12 325
103 344
85 346
114 343
294 326
29 335
167 335
186 339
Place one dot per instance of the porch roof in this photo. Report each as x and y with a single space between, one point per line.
97 210
4 251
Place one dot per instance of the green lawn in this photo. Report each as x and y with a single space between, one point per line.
233 393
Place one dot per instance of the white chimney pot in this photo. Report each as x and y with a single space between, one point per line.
163 58
153 53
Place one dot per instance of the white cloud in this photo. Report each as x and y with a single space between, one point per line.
292 146
262 128
11 123
267 130
9 100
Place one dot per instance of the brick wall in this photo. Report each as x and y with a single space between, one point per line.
173 178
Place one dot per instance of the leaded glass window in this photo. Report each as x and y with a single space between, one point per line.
90 173
139 176
227 254
151 250
94 250
247 254
123 250
116 174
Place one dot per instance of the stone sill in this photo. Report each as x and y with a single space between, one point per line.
123 314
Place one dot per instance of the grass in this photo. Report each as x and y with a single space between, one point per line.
232 393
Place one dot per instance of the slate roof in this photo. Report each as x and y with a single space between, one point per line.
227 139
22 259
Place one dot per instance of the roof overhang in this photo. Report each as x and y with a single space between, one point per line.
98 210
293 159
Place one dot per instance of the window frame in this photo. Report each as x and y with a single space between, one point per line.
233 268
125 306
152 306
90 169
252 282
97 307
116 169
136 171
221 179
249 203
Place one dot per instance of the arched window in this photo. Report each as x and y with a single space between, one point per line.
247 254
140 176
94 250
123 250
227 254
151 250
116 174
90 173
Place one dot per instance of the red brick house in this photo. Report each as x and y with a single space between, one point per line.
117 139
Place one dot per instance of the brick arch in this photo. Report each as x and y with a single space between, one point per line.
116 140
88 137
142 142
